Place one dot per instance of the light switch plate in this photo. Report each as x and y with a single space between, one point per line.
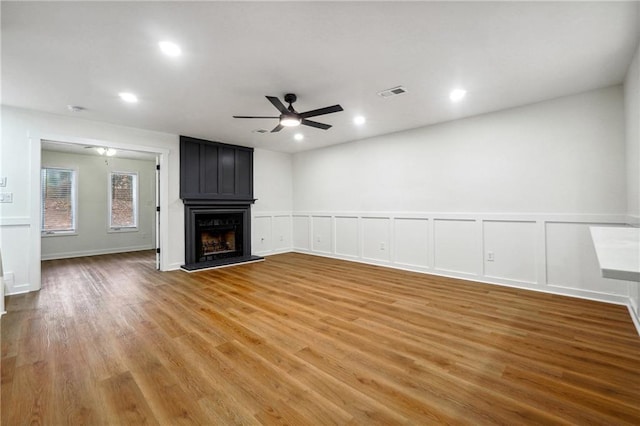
6 197
3 181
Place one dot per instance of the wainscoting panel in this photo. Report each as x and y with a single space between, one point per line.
281 233
322 235
510 250
347 236
16 266
572 260
376 239
457 246
302 233
411 242
261 228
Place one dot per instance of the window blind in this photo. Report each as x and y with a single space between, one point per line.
58 201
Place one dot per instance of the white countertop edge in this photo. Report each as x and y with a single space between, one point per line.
618 251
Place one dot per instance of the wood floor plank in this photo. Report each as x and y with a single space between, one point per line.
127 405
362 408
299 339
35 381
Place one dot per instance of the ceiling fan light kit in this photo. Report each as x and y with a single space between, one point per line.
103 150
290 120
289 117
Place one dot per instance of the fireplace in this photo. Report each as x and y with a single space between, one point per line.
216 187
217 235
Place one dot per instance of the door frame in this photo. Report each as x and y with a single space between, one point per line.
162 231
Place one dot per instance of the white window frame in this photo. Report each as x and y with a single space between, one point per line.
74 204
136 209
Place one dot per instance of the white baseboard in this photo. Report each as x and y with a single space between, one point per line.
99 252
19 289
173 267
272 252
634 317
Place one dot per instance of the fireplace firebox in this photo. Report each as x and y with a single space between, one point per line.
218 235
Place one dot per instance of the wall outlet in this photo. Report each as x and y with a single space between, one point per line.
3 181
490 256
6 197
317 238
381 246
281 238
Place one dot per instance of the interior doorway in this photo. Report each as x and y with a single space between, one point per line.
97 199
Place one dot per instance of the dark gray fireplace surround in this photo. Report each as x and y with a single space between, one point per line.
216 188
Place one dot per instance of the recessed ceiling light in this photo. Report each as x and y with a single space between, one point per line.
128 97
298 136
359 120
169 48
457 95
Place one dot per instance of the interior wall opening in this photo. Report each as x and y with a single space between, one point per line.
96 199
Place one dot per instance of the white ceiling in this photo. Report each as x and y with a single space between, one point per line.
234 53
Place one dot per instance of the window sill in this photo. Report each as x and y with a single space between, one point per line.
121 230
58 233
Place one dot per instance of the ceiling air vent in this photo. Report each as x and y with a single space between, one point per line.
392 92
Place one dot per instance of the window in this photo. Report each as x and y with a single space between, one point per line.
58 193
123 201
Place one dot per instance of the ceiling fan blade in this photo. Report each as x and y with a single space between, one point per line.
321 111
277 128
251 116
276 103
315 124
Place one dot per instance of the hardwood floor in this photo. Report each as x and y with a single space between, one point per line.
301 340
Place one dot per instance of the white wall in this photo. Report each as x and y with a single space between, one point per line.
560 156
504 198
632 110
93 236
272 182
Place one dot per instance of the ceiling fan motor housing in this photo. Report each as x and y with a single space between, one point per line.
290 98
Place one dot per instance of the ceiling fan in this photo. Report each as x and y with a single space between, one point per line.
289 117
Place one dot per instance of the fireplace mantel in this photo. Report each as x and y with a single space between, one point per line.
199 202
